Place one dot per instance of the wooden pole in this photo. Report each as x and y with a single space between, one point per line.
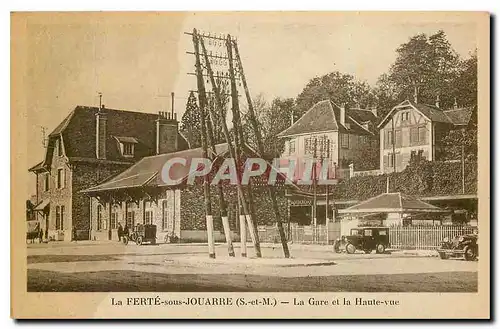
393 145
260 145
463 168
327 207
222 202
224 124
109 217
206 188
315 201
243 230
239 144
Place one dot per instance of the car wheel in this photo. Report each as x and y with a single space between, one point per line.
380 248
443 255
336 248
469 254
350 248
139 240
125 240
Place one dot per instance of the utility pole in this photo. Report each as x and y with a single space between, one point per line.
243 229
463 161
238 131
315 201
222 202
463 169
260 146
393 145
226 130
327 206
203 103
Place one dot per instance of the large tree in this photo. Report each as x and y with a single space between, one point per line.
427 66
466 82
190 122
272 119
339 87
465 137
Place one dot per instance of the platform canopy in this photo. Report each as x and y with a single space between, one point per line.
392 203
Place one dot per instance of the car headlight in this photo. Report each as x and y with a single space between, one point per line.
446 240
460 239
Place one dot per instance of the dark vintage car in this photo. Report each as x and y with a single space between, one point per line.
364 238
462 246
142 233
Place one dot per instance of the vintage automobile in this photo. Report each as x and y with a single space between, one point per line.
462 246
142 233
364 238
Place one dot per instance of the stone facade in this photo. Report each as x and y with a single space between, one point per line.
84 150
182 212
86 175
60 198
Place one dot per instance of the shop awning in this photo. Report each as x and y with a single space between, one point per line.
42 205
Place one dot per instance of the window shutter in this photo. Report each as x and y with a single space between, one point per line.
406 158
413 135
399 160
57 217
405 137
385 161
398 138
62 217
422 134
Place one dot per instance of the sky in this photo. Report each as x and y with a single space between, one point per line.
137 60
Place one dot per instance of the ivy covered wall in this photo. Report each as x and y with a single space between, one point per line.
193 207
421 178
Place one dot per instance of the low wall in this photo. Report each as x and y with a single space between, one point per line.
201 236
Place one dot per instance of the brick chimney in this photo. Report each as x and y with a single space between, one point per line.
167 128
101 133
342 114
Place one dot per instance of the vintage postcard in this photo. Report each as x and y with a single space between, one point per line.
250 165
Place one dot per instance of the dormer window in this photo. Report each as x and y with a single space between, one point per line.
128 149
127 146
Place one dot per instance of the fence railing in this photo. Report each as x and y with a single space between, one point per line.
342 173
423 237
307 234
374 172
400 237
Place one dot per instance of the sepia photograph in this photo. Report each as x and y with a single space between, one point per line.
238 152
